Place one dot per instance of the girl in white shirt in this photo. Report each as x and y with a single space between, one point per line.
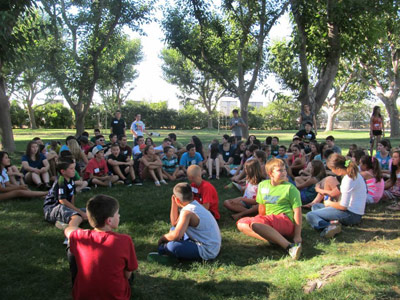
329 216
247 205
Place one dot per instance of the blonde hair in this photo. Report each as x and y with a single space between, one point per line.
75 149
338 161
271 164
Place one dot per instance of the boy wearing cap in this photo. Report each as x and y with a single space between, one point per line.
96 172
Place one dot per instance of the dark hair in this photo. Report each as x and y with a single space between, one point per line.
190 146
338 161
226 137
2 153
257 142
65 153
35 139
147 139
70 137
393 175
167 140
327 153
198 144
261 154
358 154
111 135
115 145
41 147
318 170
183 191
253 148
121 136
248 139
28 150
214 150
166 149
100 136
283 147
330 138
268 140
146 149
372 163
321 147
64 164
253 172
386 143
85 133
172 136
96 130
374 112
296 146
237 150
235 111
99 208
275 137
232 139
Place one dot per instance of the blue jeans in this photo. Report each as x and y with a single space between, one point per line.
182 249
185 248
320 216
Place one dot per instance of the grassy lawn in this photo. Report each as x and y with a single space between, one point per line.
363 262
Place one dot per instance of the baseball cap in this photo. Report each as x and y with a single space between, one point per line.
96 149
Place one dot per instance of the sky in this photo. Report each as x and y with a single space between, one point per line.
151 87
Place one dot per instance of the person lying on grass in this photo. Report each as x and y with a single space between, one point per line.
101 261
195 233
279 211
9 190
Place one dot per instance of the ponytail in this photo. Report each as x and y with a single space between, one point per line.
372 164
337 161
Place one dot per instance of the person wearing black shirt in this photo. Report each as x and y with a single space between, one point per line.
117 124
306 134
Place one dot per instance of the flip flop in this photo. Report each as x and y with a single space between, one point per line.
394 207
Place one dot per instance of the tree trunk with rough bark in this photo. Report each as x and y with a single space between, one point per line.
79 122
245 116
31 115
393 112
7 137
210 122
331 120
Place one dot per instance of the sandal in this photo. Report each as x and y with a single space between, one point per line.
394 207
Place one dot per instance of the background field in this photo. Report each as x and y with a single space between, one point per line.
361 263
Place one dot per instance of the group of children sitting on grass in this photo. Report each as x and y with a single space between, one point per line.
275 183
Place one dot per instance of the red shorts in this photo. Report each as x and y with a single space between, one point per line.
280 223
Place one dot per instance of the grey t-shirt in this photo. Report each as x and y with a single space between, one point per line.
236 129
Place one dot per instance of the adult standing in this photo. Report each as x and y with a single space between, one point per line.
118 124
307 116
236 124
138 128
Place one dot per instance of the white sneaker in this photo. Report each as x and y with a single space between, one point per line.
331 231
295 251
157 183
163 181
61 225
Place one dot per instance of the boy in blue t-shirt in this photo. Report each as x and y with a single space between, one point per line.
170 165
59 204
191 157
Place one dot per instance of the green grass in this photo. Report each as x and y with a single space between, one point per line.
33 263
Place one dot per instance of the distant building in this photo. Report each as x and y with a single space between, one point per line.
55 101
256 104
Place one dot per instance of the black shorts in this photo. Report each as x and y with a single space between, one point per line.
376 132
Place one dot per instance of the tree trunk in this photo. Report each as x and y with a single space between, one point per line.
331 118
31 114
245 116
7 136
210 122
393 112
79 122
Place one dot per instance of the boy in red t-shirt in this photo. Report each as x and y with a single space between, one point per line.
96 172
103 260
203 191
